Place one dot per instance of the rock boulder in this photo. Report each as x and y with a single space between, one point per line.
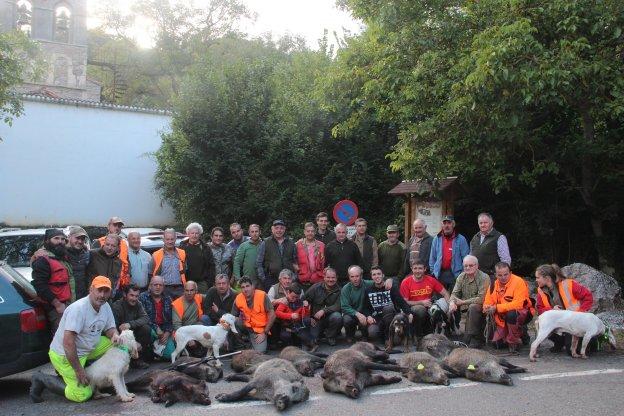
604 288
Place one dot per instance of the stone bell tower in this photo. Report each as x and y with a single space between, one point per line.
60 28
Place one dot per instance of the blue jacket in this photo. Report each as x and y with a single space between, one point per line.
460 250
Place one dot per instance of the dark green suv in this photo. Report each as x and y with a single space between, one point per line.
25 337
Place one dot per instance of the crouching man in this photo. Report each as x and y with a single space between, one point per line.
509 304
255 314
129 314
78 339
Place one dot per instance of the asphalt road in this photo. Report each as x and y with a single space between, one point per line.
555 385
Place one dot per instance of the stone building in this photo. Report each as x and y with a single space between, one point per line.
60 28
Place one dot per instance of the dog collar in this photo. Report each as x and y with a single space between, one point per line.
123 348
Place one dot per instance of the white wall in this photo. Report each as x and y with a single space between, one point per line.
70 164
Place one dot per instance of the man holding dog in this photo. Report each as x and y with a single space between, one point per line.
508 303
255 314
467 297
78 339
417 290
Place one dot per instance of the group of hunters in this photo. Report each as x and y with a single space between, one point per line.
282 291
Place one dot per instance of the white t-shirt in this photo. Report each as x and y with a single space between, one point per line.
81 318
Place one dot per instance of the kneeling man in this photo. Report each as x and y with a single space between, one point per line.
78 339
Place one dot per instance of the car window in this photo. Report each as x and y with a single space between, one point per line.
19 282
16 250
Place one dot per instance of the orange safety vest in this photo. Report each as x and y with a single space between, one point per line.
256 318
178 305
124 275
514 296
158 258
570 302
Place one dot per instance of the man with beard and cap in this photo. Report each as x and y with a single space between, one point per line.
78 256
114 226
53 277
105 262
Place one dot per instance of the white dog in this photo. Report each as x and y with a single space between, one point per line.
208 336
110 369
579 324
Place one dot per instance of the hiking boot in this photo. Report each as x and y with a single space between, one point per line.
513 349
475 343
331 341
41 381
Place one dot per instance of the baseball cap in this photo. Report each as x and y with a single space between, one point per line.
448 218
101 281
77 231
393 228
116 220
279 222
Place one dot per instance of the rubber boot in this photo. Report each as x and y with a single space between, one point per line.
41 381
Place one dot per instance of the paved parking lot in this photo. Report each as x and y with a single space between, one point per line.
555 385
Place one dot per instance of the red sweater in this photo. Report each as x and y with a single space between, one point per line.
580 292
284 312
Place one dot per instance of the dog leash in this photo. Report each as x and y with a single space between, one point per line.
202 361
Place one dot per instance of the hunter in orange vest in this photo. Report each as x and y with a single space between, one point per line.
114 226
173 275
509 304
555 291
255 312
187 309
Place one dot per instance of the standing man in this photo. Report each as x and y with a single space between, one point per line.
170 263
509 305
129 314
246 256
187 309
141 263
367 246
78 339
114 226
355 310
157 305
222 254
79 256
255 314
489 245
52 277
342 253
325 313
391 254
105 261
310 257
467 297
417 290
323 233
238 237
276 253
418 246
448 250
200 267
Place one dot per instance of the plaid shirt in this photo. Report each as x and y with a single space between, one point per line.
150 308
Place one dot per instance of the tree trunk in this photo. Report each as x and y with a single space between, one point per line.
588 182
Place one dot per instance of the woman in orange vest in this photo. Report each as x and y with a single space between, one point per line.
555 291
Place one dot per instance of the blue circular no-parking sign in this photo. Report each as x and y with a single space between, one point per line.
345 212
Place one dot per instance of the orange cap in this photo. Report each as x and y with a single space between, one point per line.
101 281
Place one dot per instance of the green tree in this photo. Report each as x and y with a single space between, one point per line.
17 62
514 93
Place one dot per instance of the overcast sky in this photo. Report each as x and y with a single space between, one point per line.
307 18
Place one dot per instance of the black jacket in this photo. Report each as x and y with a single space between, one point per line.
342 255
200 264
126 314
320 298
224 305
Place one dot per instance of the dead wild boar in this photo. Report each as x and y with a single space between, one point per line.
480 365
247 361
420 367
437 345
207 371
348 372
306 363
276 381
